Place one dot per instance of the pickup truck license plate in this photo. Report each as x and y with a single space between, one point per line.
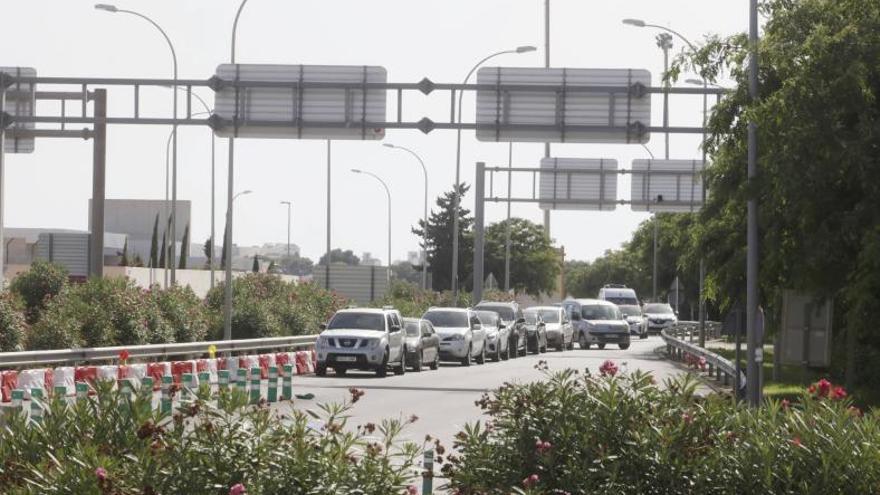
346 359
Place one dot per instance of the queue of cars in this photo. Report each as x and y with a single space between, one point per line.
381 340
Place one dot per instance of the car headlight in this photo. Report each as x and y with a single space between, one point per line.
492 335
373 343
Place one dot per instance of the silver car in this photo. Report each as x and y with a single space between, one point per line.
497 335
462 337
606 323
557 326
638 324
362 339
660 316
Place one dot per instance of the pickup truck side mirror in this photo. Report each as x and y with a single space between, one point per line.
575 316
395 328
520 320
323 326
502 326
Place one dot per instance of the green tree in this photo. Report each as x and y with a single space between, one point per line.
223 251
297 265
403 270
339 256
207 248
534 262
154 244
256 266
818 134
162 256
439 239
184 248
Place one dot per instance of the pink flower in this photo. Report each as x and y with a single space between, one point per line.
542 447
823 387
412 490
785 404
101 474
687 418
796 441
531 481
238 489
608 368
838 393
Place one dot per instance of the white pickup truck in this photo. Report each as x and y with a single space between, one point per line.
362 339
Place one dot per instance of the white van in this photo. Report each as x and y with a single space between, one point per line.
620 295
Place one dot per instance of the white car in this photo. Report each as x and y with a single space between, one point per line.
638 324
362 339
618 294
559 331
497 335
660 316
462 337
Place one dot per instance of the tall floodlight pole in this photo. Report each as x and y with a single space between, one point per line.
388 193
172 254
753 386
456 196
507 230
546 66
289 204
424 213
227 254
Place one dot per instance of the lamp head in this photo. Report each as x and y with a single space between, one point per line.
525 49
634 22
107 7
357 171
388 145
246 191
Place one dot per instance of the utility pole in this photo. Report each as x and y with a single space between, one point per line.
546 65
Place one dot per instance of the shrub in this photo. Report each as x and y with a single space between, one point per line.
183 312
115 445
38 285
412 301
12 324
58 327
264 305
621 433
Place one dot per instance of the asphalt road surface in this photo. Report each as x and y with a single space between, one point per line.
444 399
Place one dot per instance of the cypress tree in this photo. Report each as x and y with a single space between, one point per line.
154 244
184 248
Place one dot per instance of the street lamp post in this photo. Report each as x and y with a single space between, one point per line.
388 193
289 204
424 214
456 197
227 257
114 9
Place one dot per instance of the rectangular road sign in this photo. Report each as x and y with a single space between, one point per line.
20 102
566 106
578 184
302 112
667 185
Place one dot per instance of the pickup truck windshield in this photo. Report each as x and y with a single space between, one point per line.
357 321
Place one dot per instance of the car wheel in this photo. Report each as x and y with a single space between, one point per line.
601 346
571 344
544 348
497 356
623 347
436 363
382 370
506 354
643 335
481 359
321 370
400 369
340 371
417 365
466 360
582 342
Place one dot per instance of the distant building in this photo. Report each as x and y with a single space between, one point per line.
368 260
271 250
414 258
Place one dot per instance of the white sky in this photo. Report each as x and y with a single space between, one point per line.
411 38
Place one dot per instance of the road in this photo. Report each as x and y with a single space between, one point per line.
444 399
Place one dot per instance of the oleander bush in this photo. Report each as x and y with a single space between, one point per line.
38 285
611 433
116 445
412 301
183 312
12 324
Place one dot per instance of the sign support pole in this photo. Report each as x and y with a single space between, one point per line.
479 220
99 169
753 345
2 176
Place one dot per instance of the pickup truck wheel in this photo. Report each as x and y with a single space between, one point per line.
400 369
481 359
321 370
382 370
340 371
417 365
623 347
601 346
436 363
466 360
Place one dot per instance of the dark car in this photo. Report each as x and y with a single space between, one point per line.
512 317
536 331
422 344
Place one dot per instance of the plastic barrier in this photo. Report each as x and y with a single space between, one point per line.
248 363
29 380
156 371
86 374
178 368
108 372
64 377
8 383
134 373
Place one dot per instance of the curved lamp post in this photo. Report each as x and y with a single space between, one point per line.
114 10
424 213
388 193
456 196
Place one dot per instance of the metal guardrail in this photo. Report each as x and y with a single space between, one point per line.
91 354
677 348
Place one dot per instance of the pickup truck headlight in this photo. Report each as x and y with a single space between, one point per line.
372 343
492 335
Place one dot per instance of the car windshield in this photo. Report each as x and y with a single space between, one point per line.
412 328
658 308
631 310
442 319
506 312
550 315
488 318
357 321
600 312
622 301
531 317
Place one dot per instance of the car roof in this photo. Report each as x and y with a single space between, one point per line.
366 310
454 310
497 303
549 308
601 302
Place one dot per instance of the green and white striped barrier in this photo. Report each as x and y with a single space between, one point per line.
165 401
428 474
273 384
241 380
37 405
82 391
255 385
287 382
223 381
188 383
